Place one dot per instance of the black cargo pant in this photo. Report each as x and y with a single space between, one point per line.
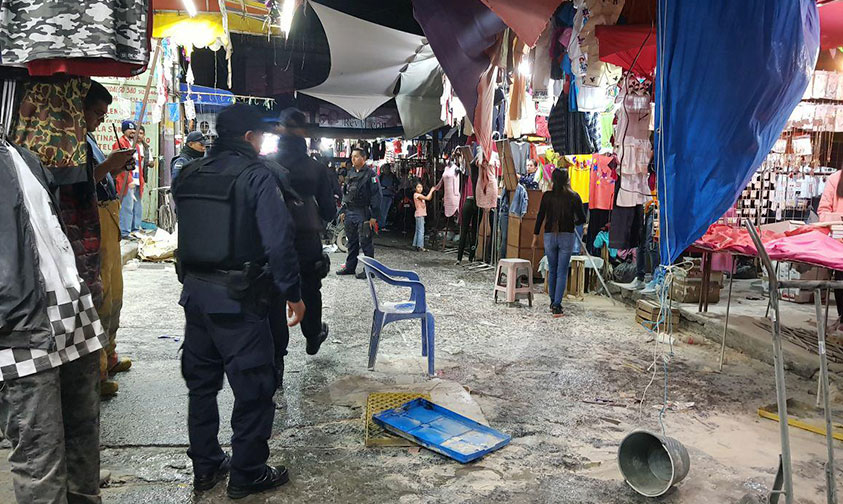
240 346
52 421
359 236
309 249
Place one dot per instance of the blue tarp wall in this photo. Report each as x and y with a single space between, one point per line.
730 72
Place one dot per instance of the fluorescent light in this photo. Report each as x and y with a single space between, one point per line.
189 7
286 19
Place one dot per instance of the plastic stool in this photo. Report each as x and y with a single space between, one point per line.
511 268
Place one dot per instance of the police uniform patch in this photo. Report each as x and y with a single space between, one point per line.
374 180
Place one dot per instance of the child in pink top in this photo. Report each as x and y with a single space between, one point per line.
420 200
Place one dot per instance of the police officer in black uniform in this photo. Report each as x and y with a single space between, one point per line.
309 181
235 246
361 207
194 148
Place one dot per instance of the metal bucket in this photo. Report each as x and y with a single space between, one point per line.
652 463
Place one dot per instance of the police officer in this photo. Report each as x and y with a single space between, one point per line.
194 148
235 246
361 208
310 183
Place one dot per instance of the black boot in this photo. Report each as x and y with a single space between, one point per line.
273 477
204 482
314 344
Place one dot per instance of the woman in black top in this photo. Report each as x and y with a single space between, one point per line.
561 212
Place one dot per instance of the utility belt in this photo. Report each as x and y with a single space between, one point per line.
251 284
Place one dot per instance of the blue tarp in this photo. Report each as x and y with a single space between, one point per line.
207 96
729 75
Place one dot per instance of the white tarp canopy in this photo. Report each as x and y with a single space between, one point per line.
419 93
367 60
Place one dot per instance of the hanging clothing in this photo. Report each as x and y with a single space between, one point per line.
52 125
625 228
520 155
602 183
74 327
115 30
580 176
487 187
568 130
519 203
451 182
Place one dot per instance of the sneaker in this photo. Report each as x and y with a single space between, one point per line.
205 482
557 311
123 365
273 477
344 271
108 388
636 284
313 345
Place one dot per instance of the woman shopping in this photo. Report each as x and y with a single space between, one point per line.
831 209
561 212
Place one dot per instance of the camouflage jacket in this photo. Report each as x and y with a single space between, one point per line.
35 30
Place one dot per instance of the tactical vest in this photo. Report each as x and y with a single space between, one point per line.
218 229
359 190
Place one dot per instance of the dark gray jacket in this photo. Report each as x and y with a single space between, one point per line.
24 322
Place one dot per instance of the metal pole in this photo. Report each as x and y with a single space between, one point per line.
728 307
781 396
831 492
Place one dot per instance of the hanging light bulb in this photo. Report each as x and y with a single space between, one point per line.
189 7
288 9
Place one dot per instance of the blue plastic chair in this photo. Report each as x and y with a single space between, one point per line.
386 312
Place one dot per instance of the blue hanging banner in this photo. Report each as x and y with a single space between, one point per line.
729 75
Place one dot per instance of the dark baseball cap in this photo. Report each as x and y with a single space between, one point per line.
195 136
128 124
292 118
237 119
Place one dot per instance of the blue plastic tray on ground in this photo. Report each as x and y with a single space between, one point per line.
441 430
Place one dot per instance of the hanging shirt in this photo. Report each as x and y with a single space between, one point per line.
580 176
601 183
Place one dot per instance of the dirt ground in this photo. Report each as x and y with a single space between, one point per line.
567 391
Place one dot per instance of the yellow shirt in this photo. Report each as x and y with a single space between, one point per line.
580 175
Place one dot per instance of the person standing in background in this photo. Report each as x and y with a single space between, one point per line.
143 141
130 183
361 206
420 202
831 209
561 212
194 148
111 261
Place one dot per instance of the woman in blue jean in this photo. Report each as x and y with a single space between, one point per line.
561 212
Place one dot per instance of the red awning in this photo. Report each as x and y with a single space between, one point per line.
831 25
620 44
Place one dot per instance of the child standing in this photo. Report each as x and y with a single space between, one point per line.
420 201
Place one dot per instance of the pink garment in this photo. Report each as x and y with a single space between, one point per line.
601 183
812 248
487 187
451 182
421 205
485 108
527 18
830 203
